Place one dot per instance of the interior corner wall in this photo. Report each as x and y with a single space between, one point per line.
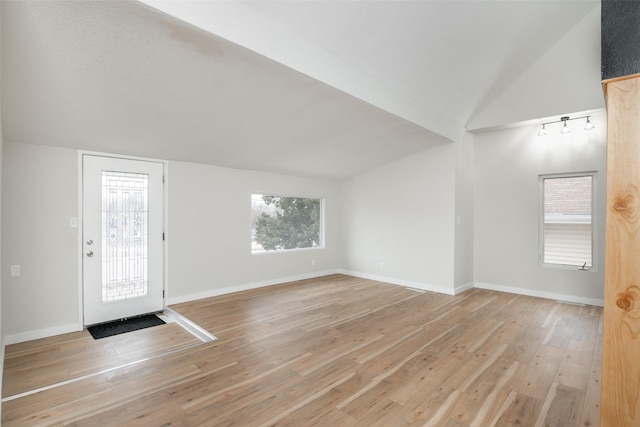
209 231
506 208
397 221
565 79
463 254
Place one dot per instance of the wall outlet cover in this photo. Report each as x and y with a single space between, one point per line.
14 271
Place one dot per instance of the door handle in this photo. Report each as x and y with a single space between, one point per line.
90 254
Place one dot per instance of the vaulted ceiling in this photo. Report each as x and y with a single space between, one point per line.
315 88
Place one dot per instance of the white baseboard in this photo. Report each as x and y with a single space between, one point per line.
462 288
540 294
42 333
245 287
401 282
75 327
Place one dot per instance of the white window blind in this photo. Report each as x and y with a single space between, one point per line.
566 228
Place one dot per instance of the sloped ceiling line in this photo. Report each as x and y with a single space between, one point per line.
276 42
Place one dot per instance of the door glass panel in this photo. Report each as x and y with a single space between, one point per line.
125 235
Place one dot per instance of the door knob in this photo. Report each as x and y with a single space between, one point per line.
90 254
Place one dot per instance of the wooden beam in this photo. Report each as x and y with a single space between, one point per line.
621 351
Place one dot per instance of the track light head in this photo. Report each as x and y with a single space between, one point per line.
589 125
542 131
565 128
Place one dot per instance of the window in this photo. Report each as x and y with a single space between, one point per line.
281 223
567 211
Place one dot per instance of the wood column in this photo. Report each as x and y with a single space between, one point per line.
621 350
621 83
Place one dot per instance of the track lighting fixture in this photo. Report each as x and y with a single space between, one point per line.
542 131
588 126
565 127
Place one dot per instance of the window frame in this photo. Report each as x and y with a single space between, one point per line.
321 232
594 220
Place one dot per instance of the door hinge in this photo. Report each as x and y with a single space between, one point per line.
163 294
163 179
163 236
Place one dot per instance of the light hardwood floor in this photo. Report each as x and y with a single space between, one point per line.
334 351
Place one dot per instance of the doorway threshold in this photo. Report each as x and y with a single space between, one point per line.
202 334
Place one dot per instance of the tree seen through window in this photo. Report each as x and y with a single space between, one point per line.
281 223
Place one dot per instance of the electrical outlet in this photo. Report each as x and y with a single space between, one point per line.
73 222
14 271
313 262
382 266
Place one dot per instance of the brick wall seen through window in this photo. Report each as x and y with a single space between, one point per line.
567 225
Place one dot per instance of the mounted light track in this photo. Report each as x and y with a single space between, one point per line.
565 127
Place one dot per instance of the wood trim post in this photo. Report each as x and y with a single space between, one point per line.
620 62
621 347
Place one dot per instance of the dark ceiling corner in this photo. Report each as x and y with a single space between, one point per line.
620 38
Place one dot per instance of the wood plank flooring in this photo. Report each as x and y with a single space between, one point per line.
41 363
342 351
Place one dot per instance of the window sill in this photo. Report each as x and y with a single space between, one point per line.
281 251
591 269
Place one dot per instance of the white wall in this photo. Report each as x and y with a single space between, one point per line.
507 165
209 230
208 236
402 215
1 270
39 195
463 253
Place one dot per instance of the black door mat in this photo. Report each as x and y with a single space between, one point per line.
122 326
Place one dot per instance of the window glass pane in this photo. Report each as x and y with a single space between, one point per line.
125 235
280 223
567 226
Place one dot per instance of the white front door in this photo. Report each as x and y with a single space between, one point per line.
122 238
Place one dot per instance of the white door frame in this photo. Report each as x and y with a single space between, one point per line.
165 210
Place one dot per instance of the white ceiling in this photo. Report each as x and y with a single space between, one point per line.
448 54
337 88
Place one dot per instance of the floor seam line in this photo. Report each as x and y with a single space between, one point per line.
94 374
